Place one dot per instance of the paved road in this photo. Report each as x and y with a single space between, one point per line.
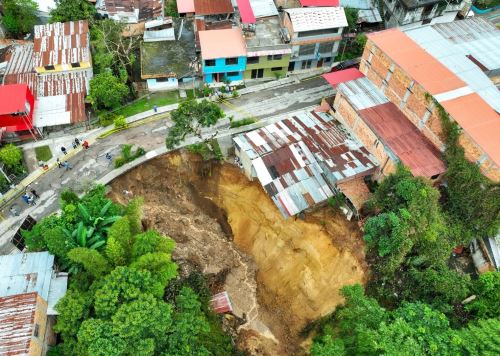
90 165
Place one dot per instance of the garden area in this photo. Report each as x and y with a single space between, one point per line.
12 164
126 295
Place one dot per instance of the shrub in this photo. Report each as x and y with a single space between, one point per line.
106 119
235 94
120 122
243 122
128 156
11 156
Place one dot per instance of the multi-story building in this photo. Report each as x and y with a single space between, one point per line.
268 56
223 55
415 13
448 64
314 34
17 105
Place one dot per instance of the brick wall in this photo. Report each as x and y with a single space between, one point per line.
410 97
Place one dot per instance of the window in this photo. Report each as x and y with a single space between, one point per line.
275 69
257 73
36 331
276 57
210 63
233 74
291 66
230 61
307 49
75 65
252 60
328 59
306 64
50 67
326 47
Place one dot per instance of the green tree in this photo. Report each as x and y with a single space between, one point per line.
487 291
91 260
352 18
107 91
73 309
481 338
119 244
96 337
134 213
327 346
35 238
19 16
57 243
171 8
159 264
72 10
12 157
189 326
151 241
123 285
189 118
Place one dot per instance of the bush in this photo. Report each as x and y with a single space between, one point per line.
243 122
120 122
106 119
11 156
128 155
235 94
43 153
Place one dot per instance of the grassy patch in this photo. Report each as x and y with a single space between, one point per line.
43 153
242 122
147 103
128 156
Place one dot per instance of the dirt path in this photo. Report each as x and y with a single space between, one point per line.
280 274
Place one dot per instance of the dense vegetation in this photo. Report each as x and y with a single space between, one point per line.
19 16
125 296
11 158
72 10
417 303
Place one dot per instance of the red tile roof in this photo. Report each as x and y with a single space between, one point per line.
341 76
213 7
395 131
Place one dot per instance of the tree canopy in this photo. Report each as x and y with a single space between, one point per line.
107 91
190 117
72 10
19 16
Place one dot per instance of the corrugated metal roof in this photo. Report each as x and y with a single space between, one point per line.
402 137
298 159
20 59
146 9
362 93
317 18
341 76
58 288
246 11
369 16
25 273
221 303
213 7
17 316
61 43
319 2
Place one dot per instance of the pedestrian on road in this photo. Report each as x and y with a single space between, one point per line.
59 165
63 150
109 157
67 165
155 108
13 210
35 194
74 144
26 198
77 141
31 200
85 144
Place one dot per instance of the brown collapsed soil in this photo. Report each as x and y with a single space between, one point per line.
280 274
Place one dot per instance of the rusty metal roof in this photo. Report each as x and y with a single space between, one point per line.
402 137
213 7
61 43
300 159
147 9
221 303
20 59
17 316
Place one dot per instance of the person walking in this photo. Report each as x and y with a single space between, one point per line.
109 157
66 165
35 194
85 144
155 108
31 200
59 165
63 150
13 210
77 141
74 145
26 198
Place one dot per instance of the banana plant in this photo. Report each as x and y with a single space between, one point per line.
86 237
101 223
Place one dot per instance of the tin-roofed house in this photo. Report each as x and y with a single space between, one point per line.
223 54
29 290
314 34
166 62
300 161
130 11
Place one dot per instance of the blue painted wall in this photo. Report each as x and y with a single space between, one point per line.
222 68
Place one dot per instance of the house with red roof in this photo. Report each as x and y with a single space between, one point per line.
17 105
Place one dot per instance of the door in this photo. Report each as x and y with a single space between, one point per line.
320 63
254 74
291 66
260 73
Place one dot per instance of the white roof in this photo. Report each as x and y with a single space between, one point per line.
317 18
263 8
51 111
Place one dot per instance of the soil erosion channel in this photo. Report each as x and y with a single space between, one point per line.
280 274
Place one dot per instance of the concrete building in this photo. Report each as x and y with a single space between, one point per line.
434 62
414 13
382 128
130 11
300 161
314 34
17 106
166 62
268 56
29 290
223 54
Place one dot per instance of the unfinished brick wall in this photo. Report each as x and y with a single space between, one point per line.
377 67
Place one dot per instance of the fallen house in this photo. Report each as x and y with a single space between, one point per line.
29 290
301 160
